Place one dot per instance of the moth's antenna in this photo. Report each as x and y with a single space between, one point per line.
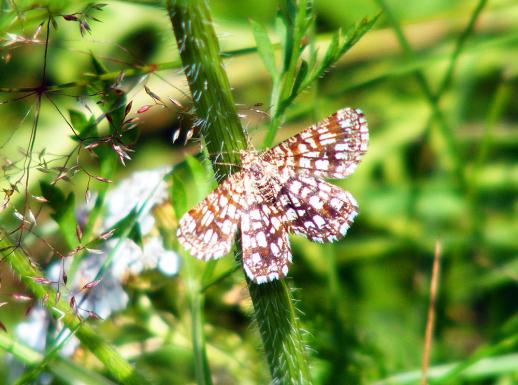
218 155
221 155
249 145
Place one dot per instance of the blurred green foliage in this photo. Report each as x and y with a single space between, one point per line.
441 166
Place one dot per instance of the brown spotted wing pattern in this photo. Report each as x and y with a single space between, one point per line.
316 209
265 245
278 192
332 148
208 230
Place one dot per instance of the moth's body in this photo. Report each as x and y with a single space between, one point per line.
279 191
264 175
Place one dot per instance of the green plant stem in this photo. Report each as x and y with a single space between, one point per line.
452 147
89 78
433 99
60 367
282 88
146 69
474 196
19 262
275 312
486 368
210 88
275 315
459 47
197 301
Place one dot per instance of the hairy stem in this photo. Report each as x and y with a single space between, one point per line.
61 367
224 136
20 263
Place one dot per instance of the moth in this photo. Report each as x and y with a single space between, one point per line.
280 191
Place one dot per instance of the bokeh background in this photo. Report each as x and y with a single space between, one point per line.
441 167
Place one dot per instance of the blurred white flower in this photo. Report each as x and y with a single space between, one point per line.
105 298
36 328
141 191
33 331
130 259
168 261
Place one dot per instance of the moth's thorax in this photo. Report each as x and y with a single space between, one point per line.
261 171
253 163
248 158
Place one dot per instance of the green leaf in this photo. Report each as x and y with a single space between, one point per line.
265 49
357 33
291 10
332 51
287 41
339 45
52 194
202 181
130 137
113 100
117 111
280 29
83 126
192 181
301 75
99 68
108 161
63 211
179 195
77 119
129 223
